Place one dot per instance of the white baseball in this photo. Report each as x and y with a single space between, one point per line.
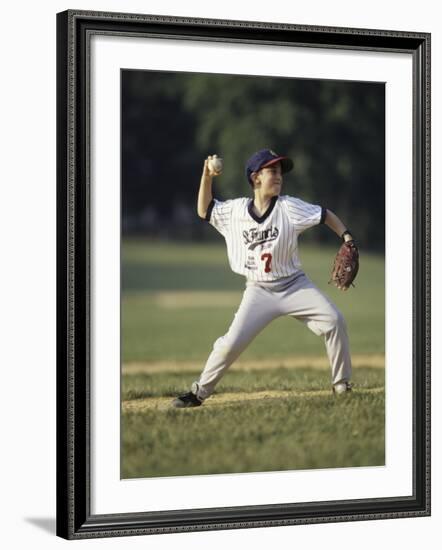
216 164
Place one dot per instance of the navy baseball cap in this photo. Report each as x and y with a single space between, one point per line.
264 158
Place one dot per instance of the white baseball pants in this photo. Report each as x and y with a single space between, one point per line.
259 306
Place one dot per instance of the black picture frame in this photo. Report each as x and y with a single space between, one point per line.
74 518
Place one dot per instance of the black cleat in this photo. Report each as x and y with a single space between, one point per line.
186 400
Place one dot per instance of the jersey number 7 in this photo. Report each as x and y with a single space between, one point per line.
267 258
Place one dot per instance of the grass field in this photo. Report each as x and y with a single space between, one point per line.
274 409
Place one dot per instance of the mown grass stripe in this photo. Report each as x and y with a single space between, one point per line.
296 361
163 403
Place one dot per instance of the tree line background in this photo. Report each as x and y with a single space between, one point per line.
170 122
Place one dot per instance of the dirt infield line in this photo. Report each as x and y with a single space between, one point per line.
297 361
164 403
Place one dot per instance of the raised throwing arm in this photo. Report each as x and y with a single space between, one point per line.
205 191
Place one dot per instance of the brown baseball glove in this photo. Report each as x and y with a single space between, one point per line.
346 266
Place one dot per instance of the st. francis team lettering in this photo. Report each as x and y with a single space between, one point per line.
253 237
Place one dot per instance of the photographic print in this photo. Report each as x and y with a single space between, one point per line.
226 300
243 240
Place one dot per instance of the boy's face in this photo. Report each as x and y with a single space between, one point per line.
269 180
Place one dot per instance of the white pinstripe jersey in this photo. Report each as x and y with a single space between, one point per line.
263 248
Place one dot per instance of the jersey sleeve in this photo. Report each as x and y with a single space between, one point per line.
303 214
219 214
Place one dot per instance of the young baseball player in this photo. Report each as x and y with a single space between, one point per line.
261 235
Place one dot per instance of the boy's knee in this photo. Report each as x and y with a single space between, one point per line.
335 320
330 321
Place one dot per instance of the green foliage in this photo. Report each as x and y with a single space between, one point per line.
334 131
